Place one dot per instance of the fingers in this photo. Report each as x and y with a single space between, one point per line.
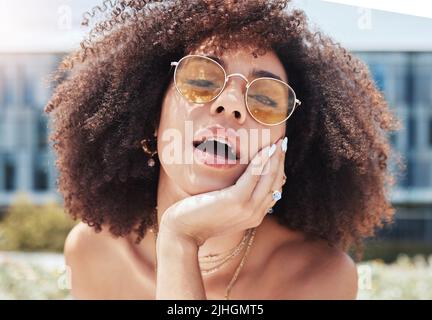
249 179
261 193
278 184
279 180
273 181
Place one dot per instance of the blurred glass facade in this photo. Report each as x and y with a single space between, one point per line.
26 158
405 78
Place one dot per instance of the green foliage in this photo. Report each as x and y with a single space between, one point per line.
29 227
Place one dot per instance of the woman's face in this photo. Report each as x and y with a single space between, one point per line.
183 125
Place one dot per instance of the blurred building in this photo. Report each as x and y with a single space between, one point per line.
397 48
26 159
406 80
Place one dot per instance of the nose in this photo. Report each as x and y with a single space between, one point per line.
231 101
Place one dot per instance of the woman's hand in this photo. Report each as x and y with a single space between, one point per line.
232 209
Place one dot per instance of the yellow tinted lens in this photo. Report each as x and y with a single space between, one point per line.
199 79
270 101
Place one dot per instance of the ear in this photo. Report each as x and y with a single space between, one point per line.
142 144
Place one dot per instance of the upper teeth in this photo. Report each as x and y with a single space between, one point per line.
221 140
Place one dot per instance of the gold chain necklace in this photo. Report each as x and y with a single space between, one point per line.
239 268
250 233
224 260
211 258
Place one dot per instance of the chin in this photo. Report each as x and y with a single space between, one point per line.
201 181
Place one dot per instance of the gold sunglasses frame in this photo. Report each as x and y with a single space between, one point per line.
297 102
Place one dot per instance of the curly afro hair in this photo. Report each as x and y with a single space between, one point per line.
109 93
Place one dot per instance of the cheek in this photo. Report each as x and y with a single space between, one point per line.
176 110
171 113
278 131
258 136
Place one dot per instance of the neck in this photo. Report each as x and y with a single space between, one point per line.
170 193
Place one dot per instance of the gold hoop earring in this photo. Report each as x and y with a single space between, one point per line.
145 145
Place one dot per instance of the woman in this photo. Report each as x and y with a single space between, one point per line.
175 117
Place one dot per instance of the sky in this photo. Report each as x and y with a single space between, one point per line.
54 25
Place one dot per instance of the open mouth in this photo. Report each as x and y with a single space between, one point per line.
216 147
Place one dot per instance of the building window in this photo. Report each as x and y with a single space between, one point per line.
2 132
2 88
9 172
21 128
378 73
28 92
41 133
26 86
410 83
393 139
430 132
6 92
423 75
412 132
412 229
40 174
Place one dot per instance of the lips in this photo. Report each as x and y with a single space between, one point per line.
218 140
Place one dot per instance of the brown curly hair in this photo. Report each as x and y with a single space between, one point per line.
109 93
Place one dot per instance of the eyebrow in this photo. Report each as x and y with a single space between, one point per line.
255 72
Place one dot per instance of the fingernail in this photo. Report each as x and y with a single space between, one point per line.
272 150
285 144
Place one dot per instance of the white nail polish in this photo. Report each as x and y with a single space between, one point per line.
272 150
284 144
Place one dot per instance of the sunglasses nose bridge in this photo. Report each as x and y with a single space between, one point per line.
238 75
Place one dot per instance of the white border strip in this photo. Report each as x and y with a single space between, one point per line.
420 8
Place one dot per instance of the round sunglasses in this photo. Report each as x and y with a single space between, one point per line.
201 79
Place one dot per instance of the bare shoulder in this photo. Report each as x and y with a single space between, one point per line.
334 273
314 270
84 252
83 241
